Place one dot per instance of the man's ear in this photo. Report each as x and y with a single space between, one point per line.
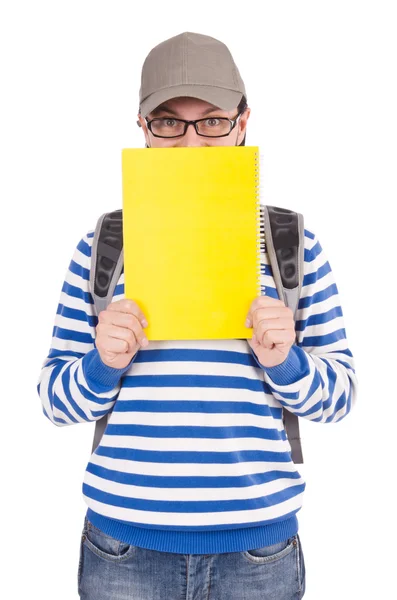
140 125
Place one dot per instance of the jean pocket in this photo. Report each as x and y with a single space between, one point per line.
301 568
272 553
81 554
106 546
80 567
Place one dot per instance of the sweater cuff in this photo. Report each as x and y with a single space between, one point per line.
101 377
291 370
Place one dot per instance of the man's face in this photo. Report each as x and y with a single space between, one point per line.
192 109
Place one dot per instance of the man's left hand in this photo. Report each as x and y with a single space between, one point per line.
273 330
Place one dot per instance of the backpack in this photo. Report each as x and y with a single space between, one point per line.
283 234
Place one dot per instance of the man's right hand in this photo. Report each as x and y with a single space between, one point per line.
119 333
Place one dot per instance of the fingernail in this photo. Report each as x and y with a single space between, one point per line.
145 323
247 322
145 342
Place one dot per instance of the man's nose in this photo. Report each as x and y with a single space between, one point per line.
191 138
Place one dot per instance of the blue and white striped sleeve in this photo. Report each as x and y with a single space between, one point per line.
317 380
74 385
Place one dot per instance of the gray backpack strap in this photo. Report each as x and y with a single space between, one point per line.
284 239
107 260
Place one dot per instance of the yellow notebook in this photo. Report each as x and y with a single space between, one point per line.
191 239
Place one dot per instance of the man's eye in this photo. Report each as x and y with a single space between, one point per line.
169 122
211 122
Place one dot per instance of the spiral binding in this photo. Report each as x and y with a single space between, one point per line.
260 222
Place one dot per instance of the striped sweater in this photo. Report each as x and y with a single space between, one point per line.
195 458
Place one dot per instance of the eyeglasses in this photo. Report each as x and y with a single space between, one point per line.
168 127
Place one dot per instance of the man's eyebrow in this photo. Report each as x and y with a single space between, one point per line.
167 109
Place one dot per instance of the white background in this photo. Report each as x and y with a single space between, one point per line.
321 83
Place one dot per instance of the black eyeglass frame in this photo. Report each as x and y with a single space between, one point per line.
232 122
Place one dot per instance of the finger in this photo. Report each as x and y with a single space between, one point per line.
126 321
263 340
115 345
265 301
121 319
130 336
277 323
274 337
128 306
271 312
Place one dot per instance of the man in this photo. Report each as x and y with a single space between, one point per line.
181 496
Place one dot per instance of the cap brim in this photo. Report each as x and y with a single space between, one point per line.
219 97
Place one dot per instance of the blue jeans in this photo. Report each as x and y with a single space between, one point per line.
113 570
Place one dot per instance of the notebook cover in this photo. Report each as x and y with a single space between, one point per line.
191 239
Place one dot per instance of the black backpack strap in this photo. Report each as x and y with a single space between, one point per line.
284 239
107 260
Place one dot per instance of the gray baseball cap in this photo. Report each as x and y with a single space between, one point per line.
190 64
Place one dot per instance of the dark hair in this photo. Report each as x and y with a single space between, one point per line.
241 108
242 104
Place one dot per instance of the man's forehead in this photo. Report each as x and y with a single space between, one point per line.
176 105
